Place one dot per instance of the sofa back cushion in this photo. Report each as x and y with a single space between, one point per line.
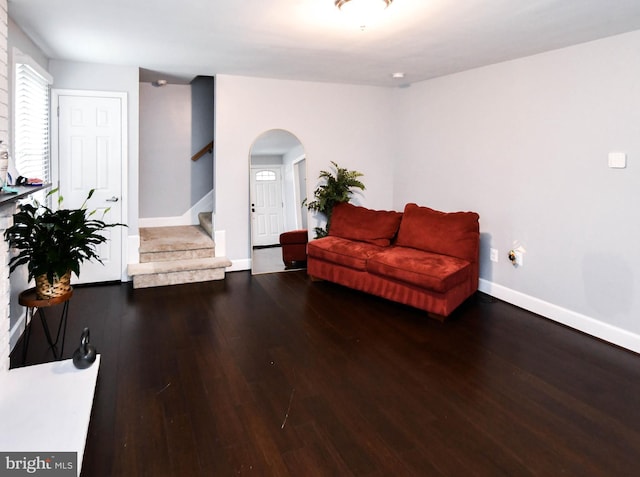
456 234
352 222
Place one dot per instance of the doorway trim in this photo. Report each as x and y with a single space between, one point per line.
296 192
124 166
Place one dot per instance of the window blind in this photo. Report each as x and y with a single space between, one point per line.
31 122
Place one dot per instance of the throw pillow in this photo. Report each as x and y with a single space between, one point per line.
353 222
451 233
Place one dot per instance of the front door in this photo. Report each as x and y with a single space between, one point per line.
267 215
90 156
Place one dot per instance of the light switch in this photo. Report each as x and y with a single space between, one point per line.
617 160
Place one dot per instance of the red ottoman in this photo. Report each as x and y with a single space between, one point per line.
294 247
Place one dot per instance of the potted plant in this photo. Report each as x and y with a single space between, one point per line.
336 189
54 243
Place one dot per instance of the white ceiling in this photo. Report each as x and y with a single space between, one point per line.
310 39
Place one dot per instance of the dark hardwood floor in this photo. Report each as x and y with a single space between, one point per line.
277 375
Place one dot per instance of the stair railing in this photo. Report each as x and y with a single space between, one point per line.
206 149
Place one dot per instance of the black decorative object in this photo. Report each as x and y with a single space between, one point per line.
85 355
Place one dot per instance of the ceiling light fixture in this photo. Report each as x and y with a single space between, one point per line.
377 3
363 11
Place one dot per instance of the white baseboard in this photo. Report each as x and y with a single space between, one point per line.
190 217
578 321
238 265
163 222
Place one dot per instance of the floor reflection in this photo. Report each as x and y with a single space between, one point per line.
268 260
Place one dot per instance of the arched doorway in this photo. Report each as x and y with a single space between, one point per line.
277 164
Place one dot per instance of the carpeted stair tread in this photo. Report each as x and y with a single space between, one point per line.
178 278
168 239
175 255
178 265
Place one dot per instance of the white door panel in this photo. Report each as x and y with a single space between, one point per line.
267 213
90 157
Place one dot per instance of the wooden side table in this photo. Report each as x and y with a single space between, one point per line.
30 300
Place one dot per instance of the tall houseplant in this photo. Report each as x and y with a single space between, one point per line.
54 243
337 187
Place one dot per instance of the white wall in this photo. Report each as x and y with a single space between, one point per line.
18 39
165 150
525 144
341 123
176 122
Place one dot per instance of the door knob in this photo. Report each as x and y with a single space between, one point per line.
113 199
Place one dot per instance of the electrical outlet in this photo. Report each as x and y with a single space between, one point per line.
516 255
519 258
493 254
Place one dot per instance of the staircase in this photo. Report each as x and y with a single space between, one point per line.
175 255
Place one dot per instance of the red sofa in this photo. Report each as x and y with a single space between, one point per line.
423 257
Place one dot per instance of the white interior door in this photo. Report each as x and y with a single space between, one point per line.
267 214
90 156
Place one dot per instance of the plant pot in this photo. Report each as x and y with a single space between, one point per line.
59 287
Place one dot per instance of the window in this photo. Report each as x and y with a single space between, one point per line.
265 176
31 151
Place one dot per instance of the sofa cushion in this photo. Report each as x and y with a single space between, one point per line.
432 271
456 234
294 236
341 251
353 222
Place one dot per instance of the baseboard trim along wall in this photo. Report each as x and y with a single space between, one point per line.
238 265
572 319
190 217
